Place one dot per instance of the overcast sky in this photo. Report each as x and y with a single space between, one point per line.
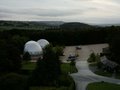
88 11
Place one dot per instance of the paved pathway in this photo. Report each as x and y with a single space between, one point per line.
84 75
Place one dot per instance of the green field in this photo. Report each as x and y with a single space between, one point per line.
102 73
48 88
42 88
103 86
28 65
65 67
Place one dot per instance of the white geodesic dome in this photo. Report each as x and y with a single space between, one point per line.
43 43
33 48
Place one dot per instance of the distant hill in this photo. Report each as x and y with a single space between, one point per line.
37 25
75 26
107 25
52 23
43 25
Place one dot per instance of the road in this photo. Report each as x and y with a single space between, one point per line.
84 76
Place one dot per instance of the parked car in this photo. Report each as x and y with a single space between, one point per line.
78 47
71 57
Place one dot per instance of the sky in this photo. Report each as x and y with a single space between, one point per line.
87 11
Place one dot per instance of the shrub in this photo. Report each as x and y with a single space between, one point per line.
12 81
92 57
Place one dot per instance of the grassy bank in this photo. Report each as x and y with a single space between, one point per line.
67 68
103 86
28 65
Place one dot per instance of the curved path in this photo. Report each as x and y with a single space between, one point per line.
84 75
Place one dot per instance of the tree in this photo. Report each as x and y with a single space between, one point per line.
92 57
19 42
72 64
10 59
39 75
58 50
48 69
4 62
13 55
53 63
115 48
12 81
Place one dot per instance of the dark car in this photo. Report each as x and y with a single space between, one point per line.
71 57
78 47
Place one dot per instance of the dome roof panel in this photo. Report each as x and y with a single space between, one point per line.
43 43
33 48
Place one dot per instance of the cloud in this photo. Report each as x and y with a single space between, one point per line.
43 12
67 10
2 15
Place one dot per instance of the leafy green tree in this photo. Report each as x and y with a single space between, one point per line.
19 42
58 50
48 68
39 75
10 59
115 48
92 57
12 81
53 63
13 55
72 63
4 62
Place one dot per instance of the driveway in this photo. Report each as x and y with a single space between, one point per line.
85 75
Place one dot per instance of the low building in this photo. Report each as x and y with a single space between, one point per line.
106 51
108 64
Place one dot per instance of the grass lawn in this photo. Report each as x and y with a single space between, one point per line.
67 68
118 75
28 65
48 88
42 88
103 86
102 73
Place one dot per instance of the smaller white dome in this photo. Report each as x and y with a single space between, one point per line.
33 48
43 43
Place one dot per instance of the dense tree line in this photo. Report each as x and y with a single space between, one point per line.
64 37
